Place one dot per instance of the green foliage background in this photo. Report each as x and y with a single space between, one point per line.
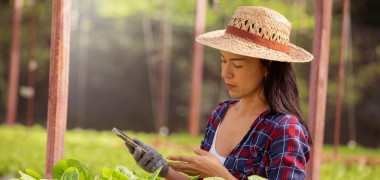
22 148
110 36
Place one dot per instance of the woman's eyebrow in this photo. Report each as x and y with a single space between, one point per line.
234 59
237 59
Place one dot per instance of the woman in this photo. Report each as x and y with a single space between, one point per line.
262 131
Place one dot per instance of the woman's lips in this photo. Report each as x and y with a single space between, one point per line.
230 86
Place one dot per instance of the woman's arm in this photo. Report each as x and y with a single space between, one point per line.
175 175
289 151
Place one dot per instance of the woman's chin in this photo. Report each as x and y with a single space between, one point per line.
234 95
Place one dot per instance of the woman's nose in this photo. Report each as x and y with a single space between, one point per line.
226 71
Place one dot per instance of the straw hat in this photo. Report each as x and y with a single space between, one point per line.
257 32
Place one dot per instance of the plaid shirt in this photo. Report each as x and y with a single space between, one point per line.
275 146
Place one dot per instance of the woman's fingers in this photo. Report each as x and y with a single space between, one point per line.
130 148
182 158
146 158
186 168
153 162
200 152
178 166
137 154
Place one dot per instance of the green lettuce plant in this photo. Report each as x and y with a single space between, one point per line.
71 169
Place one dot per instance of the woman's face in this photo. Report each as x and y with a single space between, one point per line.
243 75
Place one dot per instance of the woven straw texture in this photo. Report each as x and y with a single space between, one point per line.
264 23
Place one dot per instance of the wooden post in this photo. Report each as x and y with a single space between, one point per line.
197 69
318 84
58 83
14 64
32 65
340 76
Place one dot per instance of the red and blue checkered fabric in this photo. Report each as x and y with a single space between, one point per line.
275 146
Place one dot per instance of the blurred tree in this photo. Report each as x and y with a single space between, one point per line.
363 71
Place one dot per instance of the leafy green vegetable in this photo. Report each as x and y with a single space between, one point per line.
128 173
155 174
71 169
112 174
255 177
26 176
70 173
213 178
63 164
33 174
195 178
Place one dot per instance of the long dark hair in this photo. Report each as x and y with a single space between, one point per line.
281 92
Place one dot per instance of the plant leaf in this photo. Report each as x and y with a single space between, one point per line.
63 164
25 176
70 173
256 177
33 174
155 174
113 174
195 178
96 177
214 178
128 173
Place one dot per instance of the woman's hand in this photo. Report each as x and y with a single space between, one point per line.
151 161
205 165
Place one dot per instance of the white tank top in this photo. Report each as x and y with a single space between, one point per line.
213 150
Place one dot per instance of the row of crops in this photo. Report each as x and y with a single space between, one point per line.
22 148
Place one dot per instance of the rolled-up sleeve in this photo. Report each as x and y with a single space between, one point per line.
289 151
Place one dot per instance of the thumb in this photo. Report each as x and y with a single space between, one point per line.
130 148
200 152
138 141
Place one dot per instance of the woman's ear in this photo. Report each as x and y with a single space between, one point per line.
266 67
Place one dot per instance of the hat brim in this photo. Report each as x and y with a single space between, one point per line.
237 45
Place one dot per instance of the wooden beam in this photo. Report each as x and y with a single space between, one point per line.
32 65
339 93
318 84
14 64
58 83
197 69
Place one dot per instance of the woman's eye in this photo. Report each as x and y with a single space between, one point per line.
237 66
